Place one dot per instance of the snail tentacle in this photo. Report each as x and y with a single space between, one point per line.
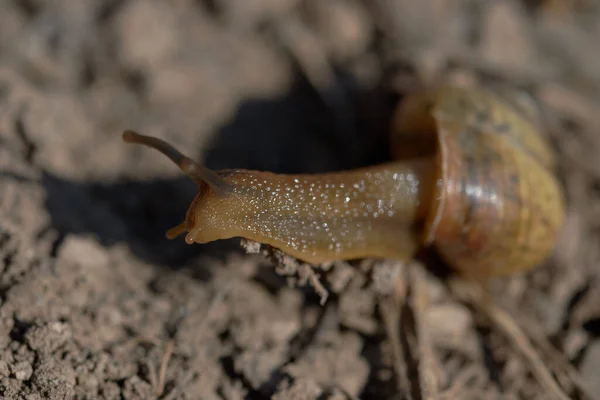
192 169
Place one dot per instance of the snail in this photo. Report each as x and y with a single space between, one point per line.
471 176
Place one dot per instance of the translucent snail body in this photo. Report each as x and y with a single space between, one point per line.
472 177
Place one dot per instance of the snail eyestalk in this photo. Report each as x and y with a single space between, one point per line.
176 231
191 168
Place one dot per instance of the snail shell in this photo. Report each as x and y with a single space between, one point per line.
497 206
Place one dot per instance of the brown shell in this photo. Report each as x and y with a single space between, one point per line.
498 207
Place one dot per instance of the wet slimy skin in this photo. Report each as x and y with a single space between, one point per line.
321 217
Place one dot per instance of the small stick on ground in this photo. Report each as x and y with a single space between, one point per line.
163 367
558 359
140 339
152 373
307 274
514 333
516 336
391 312
429 367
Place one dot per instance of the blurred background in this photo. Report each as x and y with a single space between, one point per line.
92 295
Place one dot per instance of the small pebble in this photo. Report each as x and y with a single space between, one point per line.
22 371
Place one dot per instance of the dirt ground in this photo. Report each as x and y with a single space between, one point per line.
95 303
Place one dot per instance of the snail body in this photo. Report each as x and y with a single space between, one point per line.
471 176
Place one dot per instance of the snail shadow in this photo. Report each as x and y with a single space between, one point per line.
133 212
300 134
291 134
